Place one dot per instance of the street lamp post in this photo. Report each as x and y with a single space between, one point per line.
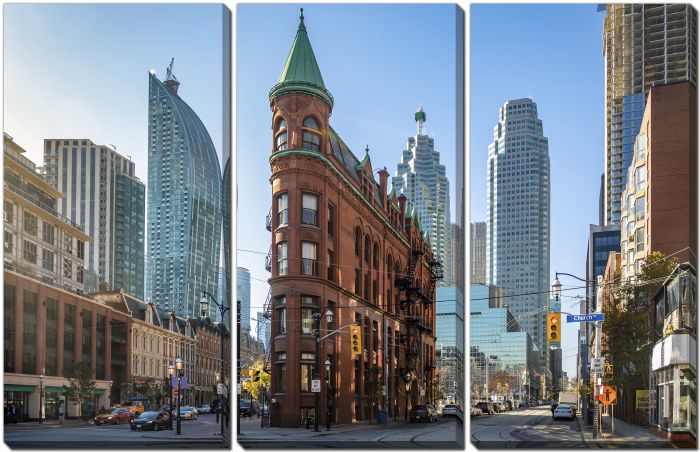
328 394
41 398
556 291
217 375
204 305
317 334
171 372
180 373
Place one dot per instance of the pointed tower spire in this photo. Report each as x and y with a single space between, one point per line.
420 119
301 73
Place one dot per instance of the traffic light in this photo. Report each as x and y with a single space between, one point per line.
356 339
554 327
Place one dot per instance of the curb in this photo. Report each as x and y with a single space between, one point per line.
583 436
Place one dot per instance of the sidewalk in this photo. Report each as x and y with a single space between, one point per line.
624 433
251 427
46 424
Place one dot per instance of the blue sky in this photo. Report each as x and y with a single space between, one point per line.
552 54
380 62
81 71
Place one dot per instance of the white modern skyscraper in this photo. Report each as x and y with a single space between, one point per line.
421 178
478 253
102 195
517 226
243 296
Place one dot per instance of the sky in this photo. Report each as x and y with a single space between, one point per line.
81 71
552 54
380 63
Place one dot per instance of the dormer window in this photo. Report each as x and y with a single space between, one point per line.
311 134
281 140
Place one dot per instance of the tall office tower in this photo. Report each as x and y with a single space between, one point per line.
103 196
243 296
184 208
263 329
644 45
421 178
478 253
517 226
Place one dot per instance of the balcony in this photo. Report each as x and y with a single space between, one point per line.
37 202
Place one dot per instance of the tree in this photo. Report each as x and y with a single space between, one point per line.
502 381
262 384
628 327
82 386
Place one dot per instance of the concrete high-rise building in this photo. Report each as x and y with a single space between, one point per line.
103 196
421 178
478 253
243 296
518 207
263 329
644 45
555 361
184 203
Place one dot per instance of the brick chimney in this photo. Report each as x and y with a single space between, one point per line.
383 177
402 207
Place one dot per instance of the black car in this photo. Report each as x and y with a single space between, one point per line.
486 407
151 420
246 409
423 412
509 405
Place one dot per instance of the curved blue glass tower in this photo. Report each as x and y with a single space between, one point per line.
184 202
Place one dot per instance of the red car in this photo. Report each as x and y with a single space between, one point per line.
115 417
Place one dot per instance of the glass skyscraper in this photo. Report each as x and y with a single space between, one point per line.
644 45
184 203
421 178
102 195
243 295
518 208
449 337
478 253
497 341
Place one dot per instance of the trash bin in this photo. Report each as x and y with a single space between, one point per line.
382 416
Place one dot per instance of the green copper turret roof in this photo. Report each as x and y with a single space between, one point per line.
301 73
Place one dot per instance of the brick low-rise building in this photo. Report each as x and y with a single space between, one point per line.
340 243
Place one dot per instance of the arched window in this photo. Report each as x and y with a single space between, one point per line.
376 256
311 136
281 140
367 248
358 241
390 285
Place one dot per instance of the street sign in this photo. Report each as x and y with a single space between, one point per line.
220 388
175 392
585 318
315 385
598 365
183 382
238 388
608 396
248 378
422 392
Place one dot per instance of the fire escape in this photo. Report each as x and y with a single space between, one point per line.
415 297
267 308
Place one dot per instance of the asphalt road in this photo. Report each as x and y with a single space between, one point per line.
444 434
525 427
198 433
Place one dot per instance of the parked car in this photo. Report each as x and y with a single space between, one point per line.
500 407
486 407
204 408
564 411
450 410
475 411
136 406
246 409
151 420
423 412
115 417
510 405
186 412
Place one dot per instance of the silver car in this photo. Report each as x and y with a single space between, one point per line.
564 411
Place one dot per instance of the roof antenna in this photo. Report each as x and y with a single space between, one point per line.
169 74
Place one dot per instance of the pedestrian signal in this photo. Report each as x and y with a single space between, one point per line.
554 327
356 339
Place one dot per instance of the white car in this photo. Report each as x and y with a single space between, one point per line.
450 410
204 409
564 411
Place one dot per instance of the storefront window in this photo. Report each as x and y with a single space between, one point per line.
20 400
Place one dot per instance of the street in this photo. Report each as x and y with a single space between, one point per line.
198 434
446 433
531 427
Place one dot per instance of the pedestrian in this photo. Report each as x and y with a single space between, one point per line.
554 406
13 413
